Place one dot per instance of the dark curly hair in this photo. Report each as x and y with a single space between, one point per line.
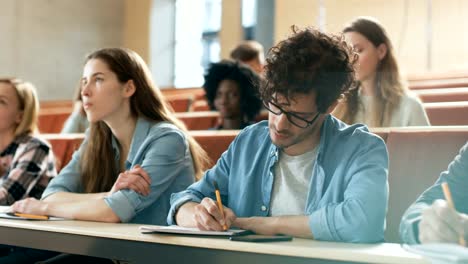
248 81
307 61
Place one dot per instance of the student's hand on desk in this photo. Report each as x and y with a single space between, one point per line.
135 179
259 225
30 206
441 223
208 216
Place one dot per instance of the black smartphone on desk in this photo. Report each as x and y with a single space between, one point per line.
260 238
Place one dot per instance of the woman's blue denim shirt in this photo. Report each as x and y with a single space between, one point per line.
162 150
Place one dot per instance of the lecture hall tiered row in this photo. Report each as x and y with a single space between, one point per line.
445 99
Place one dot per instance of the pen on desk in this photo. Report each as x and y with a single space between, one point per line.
39 217
448 197
220 204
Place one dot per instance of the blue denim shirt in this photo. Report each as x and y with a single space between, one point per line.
457 178
348 194
162 151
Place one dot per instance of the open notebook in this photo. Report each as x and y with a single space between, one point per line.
190 231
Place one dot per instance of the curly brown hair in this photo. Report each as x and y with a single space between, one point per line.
307 61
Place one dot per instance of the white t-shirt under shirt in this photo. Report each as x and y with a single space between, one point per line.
410 112
291 185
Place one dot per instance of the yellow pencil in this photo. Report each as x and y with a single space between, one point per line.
31 216
448 197
220 204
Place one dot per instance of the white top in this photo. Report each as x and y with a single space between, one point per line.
410 112
291 186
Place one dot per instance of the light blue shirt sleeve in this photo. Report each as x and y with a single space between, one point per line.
68 179
360 217
457 178
164 159
204 187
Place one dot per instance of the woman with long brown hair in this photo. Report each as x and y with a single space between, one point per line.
380 98
135 155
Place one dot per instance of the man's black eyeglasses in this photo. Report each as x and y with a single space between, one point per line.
293 118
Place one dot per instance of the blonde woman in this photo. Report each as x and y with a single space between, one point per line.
26 162
380 99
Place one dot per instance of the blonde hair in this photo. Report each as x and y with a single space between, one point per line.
147 101
389 84
28 104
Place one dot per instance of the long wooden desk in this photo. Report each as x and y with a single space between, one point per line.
125 242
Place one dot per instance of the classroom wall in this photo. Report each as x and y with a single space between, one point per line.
161 42
293 12
409 42
136 31
45 41
231 27
405 21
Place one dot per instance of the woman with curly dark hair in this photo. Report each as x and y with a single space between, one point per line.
231 89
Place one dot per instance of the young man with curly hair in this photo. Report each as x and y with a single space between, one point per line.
303 173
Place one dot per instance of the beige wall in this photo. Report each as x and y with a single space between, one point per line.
450 48
231 27
409 44
293 12
450 21
45 41
136 34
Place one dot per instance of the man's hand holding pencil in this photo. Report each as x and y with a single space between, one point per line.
441 223
208 216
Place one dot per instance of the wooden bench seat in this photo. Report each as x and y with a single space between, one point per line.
443 95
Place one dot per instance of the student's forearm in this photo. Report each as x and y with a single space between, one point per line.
74 197
185 215
88 210
297 226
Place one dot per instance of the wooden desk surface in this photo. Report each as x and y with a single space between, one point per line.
129 244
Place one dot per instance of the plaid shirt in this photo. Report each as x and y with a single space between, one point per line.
26 167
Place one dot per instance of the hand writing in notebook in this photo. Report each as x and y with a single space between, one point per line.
205 215
440 223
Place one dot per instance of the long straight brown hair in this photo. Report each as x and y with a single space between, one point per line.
389 85
98 168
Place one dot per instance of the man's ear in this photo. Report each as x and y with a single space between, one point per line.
332 107
129 88
382 51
